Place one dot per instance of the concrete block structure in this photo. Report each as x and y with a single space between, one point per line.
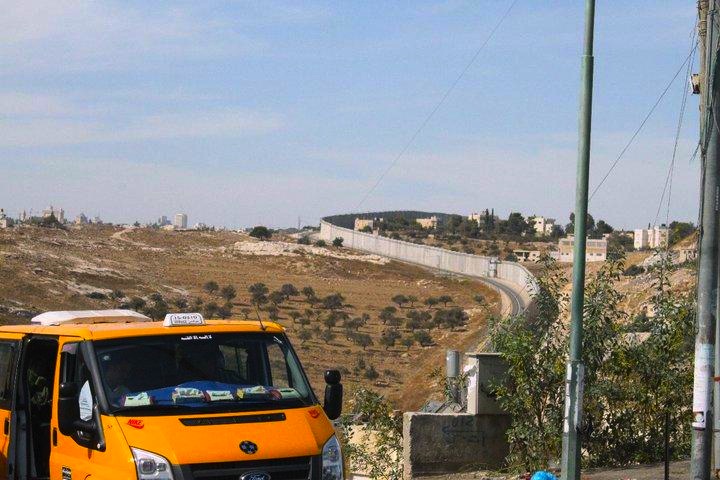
442 443
595 251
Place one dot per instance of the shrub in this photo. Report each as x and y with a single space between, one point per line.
261 232
321 243
337 242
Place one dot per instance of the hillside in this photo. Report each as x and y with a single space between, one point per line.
45 269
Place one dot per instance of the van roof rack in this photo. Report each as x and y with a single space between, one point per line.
89 317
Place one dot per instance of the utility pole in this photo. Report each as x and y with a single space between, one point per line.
703 384
575 369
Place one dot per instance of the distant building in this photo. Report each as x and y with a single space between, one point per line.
24 217
163 220
652 237
543 226
5 221
527 255
483 216
595 250
364 223
58 213
81 219
428 223
180 221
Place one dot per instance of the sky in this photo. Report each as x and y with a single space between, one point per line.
242 113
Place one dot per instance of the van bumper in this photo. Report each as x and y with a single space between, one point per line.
296 468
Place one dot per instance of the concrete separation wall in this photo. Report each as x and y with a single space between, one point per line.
437 443
519 277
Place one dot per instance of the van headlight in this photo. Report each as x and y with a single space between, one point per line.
332 461
151 466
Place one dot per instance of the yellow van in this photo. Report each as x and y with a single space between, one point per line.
113 395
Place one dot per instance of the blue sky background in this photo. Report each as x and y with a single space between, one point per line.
257 112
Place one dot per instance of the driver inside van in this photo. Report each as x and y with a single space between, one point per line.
116 372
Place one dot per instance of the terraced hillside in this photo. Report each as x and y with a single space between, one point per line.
103 267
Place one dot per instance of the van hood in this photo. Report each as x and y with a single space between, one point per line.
187 439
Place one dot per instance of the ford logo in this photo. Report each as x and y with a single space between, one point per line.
255 476
250 448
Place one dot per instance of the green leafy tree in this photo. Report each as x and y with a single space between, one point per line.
424 338
228 293
137 303
445 299
408 341
333 301
310 295
412 299
261 232
276 297
289 290
431 301
211 287
363 340
400 300
210 310
225 311
304 335
180 303
533 391
387 314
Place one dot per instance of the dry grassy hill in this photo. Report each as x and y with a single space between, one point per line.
45 269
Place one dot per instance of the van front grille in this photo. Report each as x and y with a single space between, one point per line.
296 468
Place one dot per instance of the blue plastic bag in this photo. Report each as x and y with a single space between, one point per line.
543 475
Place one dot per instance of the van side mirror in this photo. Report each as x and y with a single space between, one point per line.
333 394
68 409
85 433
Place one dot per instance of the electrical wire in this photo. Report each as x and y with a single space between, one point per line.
667 188
642 124
437 106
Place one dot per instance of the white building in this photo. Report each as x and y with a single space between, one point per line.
180 221
543 226
364 223
595 250
428 223
5 221
81 219
58 213
527 255
655 237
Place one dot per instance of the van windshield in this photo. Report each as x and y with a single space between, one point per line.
220 372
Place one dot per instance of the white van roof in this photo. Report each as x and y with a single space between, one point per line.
89 316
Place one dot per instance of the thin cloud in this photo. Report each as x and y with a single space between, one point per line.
44 132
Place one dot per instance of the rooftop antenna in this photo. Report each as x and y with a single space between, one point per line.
262 325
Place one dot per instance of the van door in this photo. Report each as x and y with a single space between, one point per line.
9 349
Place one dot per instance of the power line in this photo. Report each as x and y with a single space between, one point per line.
668 179
642 124
438 105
